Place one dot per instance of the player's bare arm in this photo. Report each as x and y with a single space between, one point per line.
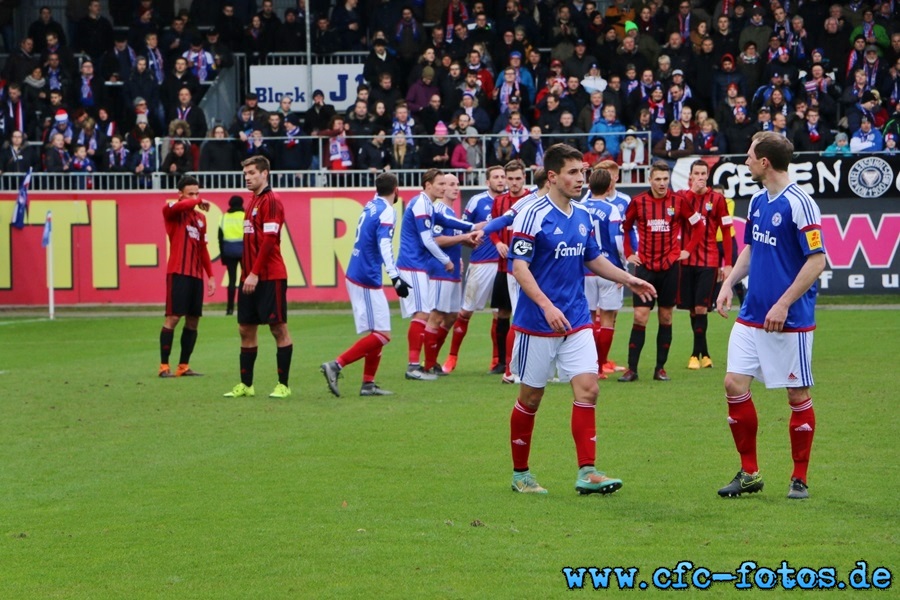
555 318
602 267
808 275
740 270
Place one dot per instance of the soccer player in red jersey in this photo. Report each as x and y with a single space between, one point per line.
262 298
503 336
659 214
188 261
700 270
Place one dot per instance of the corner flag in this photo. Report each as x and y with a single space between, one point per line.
48 229
18 220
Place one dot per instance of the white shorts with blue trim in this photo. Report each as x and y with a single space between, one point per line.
447 295
421 293
536 358
479 285
779 360
512 285
370 308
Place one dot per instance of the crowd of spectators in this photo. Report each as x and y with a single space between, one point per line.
622 79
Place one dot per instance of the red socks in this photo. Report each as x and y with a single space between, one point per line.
584 432
802 428
496 358
743 422
370 367
414 339
521 426
361 348
460 328
431 348
604 343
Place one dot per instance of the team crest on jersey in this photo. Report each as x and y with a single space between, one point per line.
582 229
438 230
709 207
523 248
428 223
253 213
776 219
200 222
670 211
870 177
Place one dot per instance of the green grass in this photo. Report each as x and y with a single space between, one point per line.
115 484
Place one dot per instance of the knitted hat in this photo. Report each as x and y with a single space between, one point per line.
440 129
840 137
428 73
61 116
630 25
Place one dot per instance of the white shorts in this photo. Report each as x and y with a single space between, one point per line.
479 285
535 358
447 295
421 294
370 308
512 285
592 290
779 360
610 296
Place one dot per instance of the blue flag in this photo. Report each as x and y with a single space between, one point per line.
21 211
48 229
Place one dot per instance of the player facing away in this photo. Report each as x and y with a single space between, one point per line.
482 268
658 214
188 261
739 286
262 297
608 310
603 294
552 241
372 249
701 269
773 337
447 285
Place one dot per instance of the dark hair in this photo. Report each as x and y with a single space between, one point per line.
259 161
660 165
385 184
430 175
185 181
540 177
699 163
599 182
557 155
236 202
774 147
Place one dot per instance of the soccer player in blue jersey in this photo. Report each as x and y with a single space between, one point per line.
602 292
417 249
447 285
773 336
372 249
482 266
552 242
611 303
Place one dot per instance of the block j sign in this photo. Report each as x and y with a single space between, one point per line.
273 82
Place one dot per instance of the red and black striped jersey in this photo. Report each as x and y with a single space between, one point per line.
659 222
502 204
711 207
186 229
264 220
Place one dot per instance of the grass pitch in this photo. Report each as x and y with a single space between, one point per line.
115 484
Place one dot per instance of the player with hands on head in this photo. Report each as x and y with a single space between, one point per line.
188 262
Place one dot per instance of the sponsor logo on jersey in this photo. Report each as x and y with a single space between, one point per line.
558 231
270 227
764 238
814 239
776 219
428 223
193 232
437 229
564 250
756 214
870 177
522 248
658 225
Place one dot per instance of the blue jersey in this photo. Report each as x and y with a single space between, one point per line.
781 232
621 201
373 246
607 229
477 210
417 247
446 224
555 246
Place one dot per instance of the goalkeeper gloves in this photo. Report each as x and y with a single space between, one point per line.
400 286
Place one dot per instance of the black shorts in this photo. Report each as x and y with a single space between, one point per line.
665 282
184 295
500 295
697 286
267 305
